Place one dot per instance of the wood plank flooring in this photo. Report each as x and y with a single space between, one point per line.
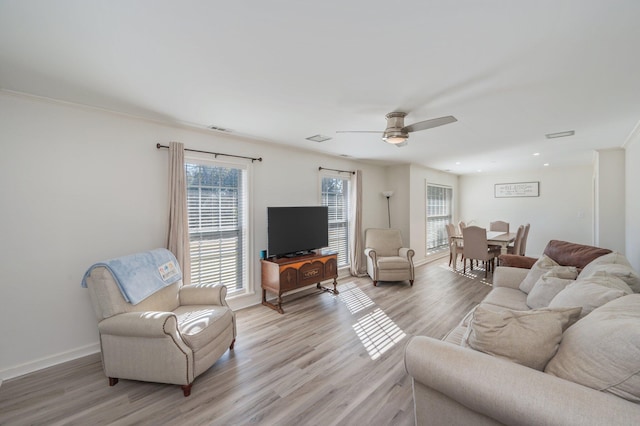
329 360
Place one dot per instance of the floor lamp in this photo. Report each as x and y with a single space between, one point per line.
388 194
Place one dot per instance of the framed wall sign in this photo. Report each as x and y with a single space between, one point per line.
517 189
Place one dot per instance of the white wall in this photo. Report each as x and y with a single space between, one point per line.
609 203
563 211
632 216
80 185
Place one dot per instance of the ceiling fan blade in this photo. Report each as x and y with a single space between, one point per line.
428 124
358 131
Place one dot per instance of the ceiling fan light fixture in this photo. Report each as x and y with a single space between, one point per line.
394 137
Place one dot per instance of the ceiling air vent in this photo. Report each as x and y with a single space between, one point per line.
318 138
220 129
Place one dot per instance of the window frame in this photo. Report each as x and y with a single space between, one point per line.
336 175
444 247
247 237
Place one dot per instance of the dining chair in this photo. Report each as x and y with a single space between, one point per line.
476 248
499 225
454 246
525 235
517 243
461 226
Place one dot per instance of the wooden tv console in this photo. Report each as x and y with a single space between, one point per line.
289 273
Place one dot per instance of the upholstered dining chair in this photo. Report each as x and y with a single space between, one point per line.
499 226
461 226
170 336
517 243
387 258
476 248
523 243
454 246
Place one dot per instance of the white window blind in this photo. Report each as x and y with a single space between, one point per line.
439 207
335 195
217 208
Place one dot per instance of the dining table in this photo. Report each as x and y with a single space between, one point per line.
494 238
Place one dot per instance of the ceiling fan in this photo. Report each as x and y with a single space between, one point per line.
397 133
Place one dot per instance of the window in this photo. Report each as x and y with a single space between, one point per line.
335 195
438 215
217 208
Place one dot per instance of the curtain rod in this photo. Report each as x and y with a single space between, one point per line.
214 153
336 170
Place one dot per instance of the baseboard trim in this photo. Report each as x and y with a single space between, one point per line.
49 361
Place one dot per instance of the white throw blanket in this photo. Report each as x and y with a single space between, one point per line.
140 275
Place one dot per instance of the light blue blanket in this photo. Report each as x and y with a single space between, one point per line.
140 275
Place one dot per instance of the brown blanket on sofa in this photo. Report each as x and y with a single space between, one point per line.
563 252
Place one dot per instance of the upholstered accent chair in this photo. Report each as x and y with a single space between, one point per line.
387 258
172 336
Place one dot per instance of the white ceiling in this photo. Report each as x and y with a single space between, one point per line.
283 70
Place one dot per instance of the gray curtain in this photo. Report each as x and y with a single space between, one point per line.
358 266
178 240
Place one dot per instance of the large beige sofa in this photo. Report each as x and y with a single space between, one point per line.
575 361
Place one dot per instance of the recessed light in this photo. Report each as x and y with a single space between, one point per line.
545 164
535 154
479 170
457 163
560 134
318 138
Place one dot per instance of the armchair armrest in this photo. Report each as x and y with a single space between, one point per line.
406 252
140 324
203 294
369 252
508 392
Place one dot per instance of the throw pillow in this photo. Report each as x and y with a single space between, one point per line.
542 265
601 350
624 272
590 293
530 338
613 258
545 289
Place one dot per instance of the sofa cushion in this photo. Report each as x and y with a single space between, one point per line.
573 254
602 350
199 325
393 262
545 289
590 293
509 298
530 338
619 270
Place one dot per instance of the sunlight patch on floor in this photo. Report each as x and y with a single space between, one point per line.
378 333
355 299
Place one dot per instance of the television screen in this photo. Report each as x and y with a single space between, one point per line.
297 230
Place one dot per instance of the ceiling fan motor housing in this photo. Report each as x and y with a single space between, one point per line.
395 122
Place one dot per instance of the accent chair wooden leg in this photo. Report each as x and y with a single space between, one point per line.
411 282
375 283
113 381
186 389
232 344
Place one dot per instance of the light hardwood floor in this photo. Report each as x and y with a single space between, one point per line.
329 360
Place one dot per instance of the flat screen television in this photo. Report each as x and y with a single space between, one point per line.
294 231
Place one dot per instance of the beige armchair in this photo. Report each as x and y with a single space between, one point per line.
387 259
172 336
